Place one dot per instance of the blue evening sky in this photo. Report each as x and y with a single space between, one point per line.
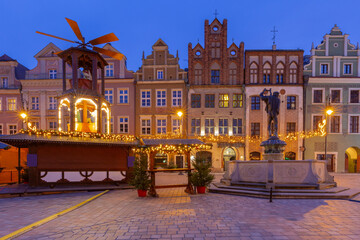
138 24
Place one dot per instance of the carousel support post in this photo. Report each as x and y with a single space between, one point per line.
74 70
19 166
189 188
64 75
94 74
102 81
72 114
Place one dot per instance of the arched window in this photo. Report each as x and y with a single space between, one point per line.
293 73
280 73
255 156
228 155
266 73
253 73
198 74
232 73
290 156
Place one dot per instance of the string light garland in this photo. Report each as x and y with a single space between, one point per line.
180 149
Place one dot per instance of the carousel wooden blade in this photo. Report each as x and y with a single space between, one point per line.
58 52
111 37
109 53
49 35
74 26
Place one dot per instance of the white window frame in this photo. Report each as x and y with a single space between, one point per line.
109 70
341 95
124 123
351 68
312 119
142 126
328 68
323 96
7 104
123 94
210 127
175 128
160 74
196 127
349 94
35 104
157 126
161 98
146 98
8 128
112 95
223 127
54 103
340 124
176 98
53 121
353 115
52 73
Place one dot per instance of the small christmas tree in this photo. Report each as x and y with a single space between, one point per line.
202 176
140 179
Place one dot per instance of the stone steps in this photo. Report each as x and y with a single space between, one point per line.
329 193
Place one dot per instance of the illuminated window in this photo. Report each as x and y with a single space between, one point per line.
237 100
52 103
123 96
237 126
160 98
223 100
176 98
111 125
316 120
223 126
145 98
109 70
109 95
195 126
176 125
123 125
12 129
52 73
11 104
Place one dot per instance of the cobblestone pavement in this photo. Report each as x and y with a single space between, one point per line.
18 212
176 215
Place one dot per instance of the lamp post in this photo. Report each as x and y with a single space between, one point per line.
23 115
180 114
328 112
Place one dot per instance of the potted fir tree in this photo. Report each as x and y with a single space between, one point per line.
140 179
201 177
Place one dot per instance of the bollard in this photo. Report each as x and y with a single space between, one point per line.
270 200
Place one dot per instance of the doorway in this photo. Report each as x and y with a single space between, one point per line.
228 155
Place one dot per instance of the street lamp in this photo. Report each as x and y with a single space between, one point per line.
180 114
23 115
328 112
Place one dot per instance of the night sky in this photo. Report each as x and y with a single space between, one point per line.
138 24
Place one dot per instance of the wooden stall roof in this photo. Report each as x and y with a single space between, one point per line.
23 140
156 142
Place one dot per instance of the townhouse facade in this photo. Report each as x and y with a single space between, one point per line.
161 99
281 71
216 94
333 81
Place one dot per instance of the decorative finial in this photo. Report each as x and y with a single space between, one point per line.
312 45
143 57
232 39
216 13
357 45
274 31
177 53
198 40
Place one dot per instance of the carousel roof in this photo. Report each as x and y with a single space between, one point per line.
23 140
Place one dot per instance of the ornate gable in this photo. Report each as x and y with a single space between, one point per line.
48 51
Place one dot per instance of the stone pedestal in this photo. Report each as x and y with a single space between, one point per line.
274 148
273 156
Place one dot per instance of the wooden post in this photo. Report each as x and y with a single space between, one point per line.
94 74
152 191
64 75
19 166
99 117
74 70
189 188
72 114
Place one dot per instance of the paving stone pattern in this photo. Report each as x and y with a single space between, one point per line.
18 212
176 215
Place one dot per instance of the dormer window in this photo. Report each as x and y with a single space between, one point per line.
347 69
4 82
109 70
52 73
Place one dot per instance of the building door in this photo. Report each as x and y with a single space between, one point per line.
330 161
229 155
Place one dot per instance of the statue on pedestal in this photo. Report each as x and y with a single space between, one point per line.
272 108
